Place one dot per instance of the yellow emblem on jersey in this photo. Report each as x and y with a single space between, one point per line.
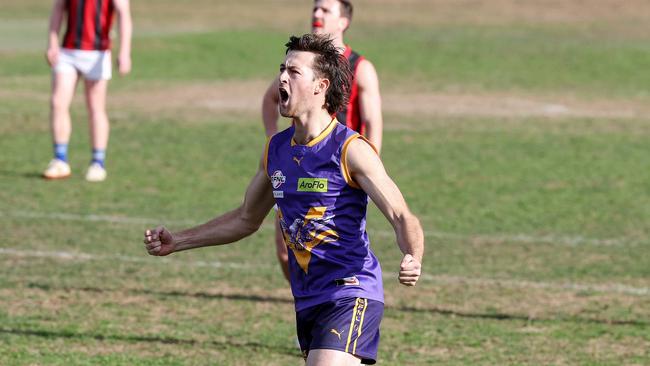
304 234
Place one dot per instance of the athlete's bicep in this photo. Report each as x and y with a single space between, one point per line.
59 5
121 6
368 82
368 172
272 92
258 199
270 113
370 102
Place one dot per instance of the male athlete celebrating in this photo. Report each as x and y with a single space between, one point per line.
320 173
362 112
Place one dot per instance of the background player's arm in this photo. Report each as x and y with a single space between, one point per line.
227 228
370 102
367 170
270 113
52 52
125 25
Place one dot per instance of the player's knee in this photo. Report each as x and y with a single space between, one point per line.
281 250
59 103
283 257
99 116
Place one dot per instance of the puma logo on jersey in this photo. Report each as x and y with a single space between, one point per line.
297 160
336 332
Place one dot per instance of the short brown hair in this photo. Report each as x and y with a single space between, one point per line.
330 64
346 9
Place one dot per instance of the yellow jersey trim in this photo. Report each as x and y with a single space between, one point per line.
321 136
344 159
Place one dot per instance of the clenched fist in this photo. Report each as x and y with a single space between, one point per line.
409 270
159 241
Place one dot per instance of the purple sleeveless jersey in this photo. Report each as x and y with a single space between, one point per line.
323 218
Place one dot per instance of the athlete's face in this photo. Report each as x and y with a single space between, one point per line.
300 90
326 18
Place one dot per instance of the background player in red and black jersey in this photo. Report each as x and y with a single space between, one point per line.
362 113
84 52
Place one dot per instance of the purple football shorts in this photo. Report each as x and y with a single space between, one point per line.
349 325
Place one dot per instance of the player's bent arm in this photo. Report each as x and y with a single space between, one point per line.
125 24
370 102
367 170
270 113
235 224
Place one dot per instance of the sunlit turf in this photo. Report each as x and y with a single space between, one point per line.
484 181
536 228
445 57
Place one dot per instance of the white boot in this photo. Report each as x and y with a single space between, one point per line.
95 173
57 169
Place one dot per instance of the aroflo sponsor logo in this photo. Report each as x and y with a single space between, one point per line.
312 184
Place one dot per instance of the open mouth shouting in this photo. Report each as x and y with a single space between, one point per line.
284 95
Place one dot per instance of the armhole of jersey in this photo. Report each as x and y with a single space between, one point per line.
266 157
356 67
345 171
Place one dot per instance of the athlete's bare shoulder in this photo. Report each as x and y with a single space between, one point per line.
366 75
361 155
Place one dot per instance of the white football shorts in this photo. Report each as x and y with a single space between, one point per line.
92 65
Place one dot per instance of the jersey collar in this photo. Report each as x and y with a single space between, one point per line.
321 136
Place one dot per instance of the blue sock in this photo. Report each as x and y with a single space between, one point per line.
99 155
61 152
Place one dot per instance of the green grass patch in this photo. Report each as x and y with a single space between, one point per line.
536 228
468 58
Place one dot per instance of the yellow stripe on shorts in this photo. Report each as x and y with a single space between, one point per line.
354 312
363 312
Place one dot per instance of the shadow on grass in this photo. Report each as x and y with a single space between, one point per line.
199 295
410 309
152 339
504 316
28 175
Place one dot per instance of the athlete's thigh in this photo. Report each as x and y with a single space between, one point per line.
63 86
95 91
280 246
328 357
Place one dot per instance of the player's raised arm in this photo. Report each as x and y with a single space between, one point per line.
367 170
227 228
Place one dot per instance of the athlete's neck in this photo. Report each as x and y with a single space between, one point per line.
338 42
309 127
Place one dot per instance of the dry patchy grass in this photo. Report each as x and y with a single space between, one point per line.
211 98
168 16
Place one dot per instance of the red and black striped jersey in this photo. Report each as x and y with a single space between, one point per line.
89 24
350 115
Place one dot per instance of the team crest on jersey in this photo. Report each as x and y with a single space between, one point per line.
303 234
277 179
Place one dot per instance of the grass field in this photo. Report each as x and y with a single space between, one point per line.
518 131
